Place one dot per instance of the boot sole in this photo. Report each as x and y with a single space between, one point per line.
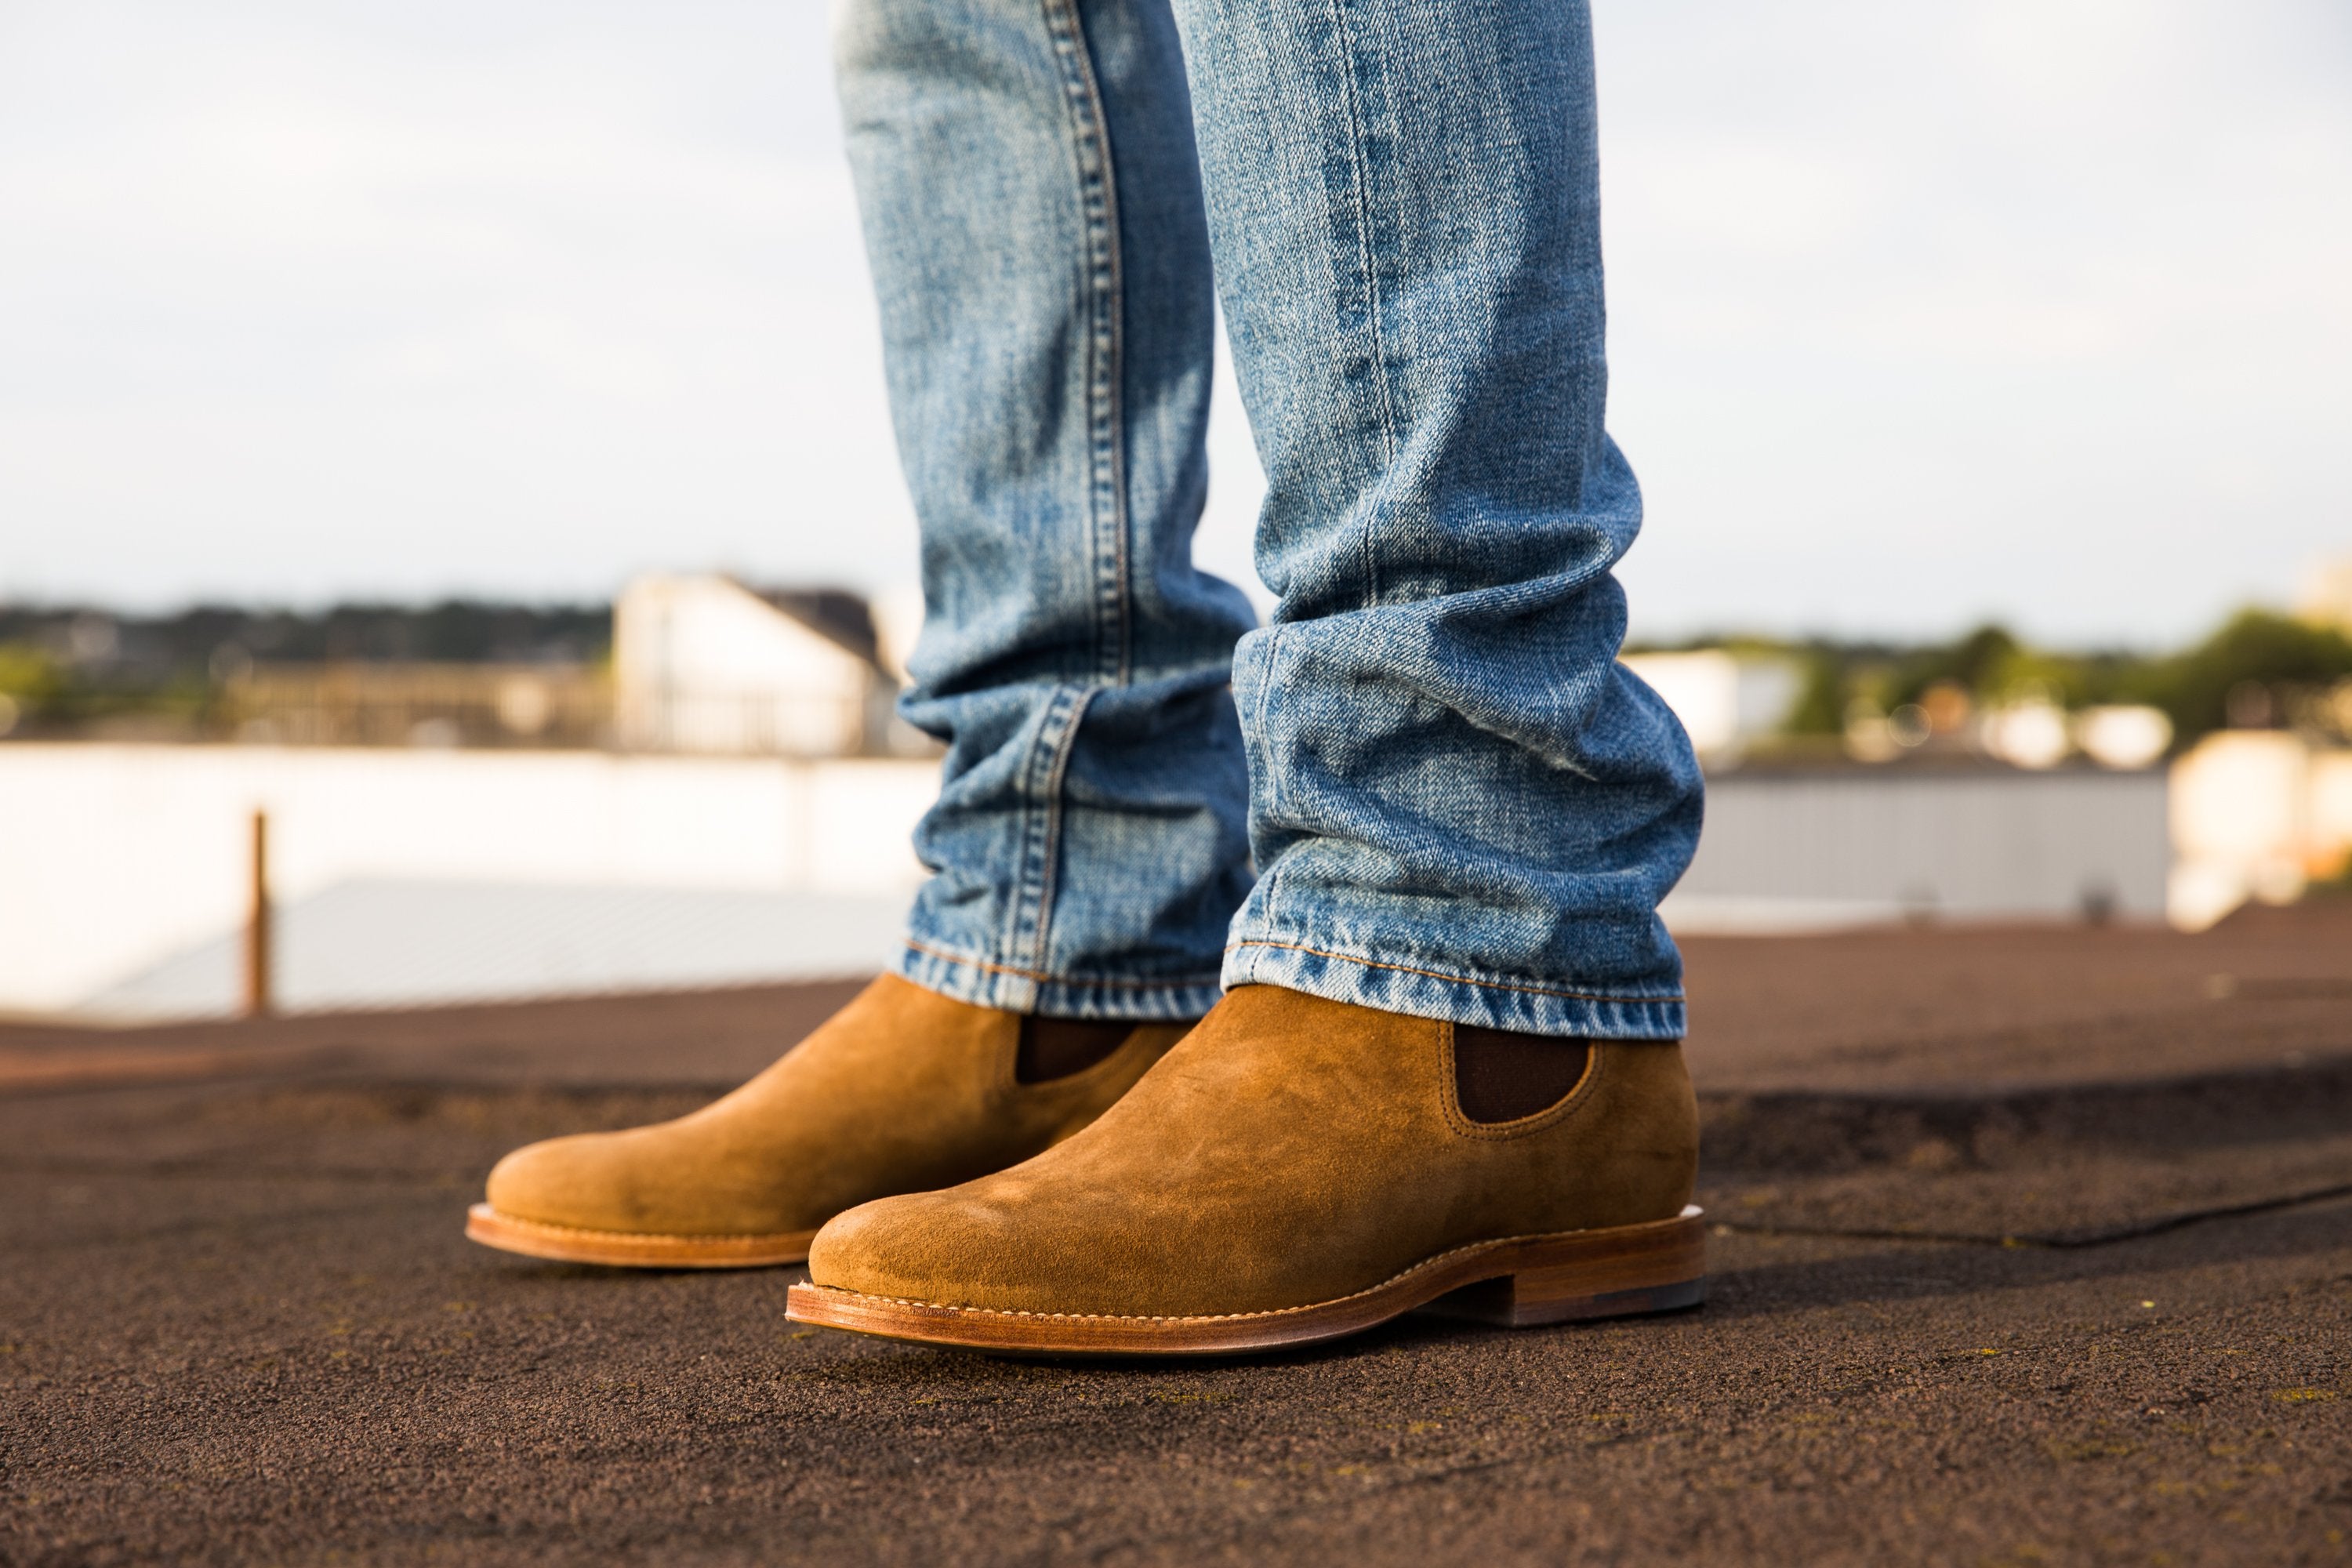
632 1249
1519 1282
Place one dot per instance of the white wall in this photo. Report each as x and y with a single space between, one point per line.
114 857
1851 847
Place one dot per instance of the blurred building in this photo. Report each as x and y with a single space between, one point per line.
1977 820
2257 813
1726 700
407 876
1794 849
405 704
2327 596
464 800
705 663
443 829
2029 731
697 663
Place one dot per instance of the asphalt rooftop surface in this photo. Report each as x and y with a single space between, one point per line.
2031 1246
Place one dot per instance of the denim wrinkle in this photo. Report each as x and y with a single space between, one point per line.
1458 803
1030 191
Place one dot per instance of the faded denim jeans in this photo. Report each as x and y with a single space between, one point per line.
1427 786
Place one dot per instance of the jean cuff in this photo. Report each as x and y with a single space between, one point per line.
984 983
1525 1006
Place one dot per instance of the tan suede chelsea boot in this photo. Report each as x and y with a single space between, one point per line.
1295 1170
900 1092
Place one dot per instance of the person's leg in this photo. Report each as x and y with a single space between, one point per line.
1032 212
1463 807
1033 206
1465 811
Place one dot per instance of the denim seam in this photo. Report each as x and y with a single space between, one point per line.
1105 472
1029 914
944 955
1456 979
1048 879
1368 272
1266 778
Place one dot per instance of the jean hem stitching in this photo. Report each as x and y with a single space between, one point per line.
1457 979
1176 983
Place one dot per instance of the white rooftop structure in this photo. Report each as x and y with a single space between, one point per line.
705 663
407 876
1725 700
2326 595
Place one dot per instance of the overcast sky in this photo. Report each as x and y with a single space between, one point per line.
2029 309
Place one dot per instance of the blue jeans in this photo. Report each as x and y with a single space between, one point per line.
1455 802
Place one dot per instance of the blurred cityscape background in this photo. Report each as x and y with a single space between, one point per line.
705 783
459 437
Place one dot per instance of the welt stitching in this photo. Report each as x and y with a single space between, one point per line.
1402 1274
1498 1244
1458 979
541 1224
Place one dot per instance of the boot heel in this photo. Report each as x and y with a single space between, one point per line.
1618 1272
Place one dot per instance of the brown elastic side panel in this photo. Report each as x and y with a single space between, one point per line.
1057 1048
1499 1076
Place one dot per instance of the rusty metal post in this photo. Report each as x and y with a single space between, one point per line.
257 1002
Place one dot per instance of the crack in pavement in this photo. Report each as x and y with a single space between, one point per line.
2104 1236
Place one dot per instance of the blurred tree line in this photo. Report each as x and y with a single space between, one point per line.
65 669
2259 669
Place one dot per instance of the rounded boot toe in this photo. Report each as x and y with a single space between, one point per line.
854 1251
923 1246
558 1181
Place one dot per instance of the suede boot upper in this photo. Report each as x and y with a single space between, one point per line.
1289 1151
904 1089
